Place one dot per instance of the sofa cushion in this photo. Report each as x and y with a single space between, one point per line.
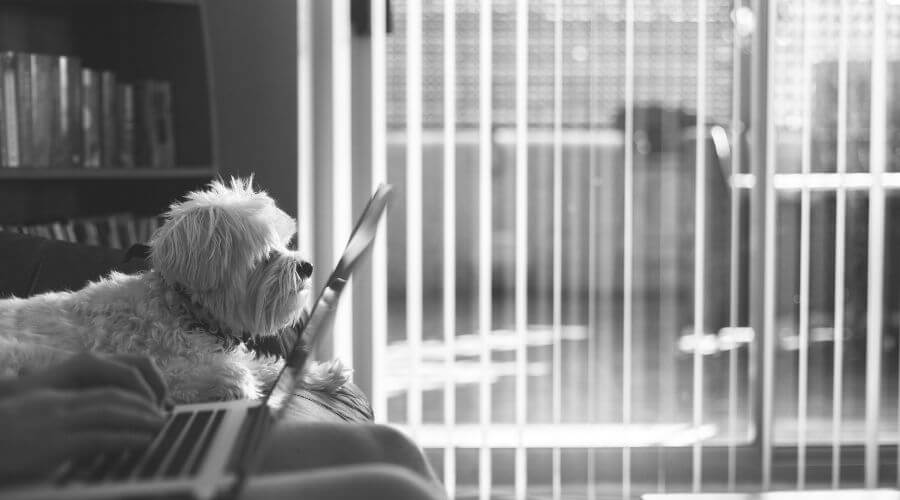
30 264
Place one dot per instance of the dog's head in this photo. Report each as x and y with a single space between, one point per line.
227 247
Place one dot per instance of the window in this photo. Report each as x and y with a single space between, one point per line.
637 244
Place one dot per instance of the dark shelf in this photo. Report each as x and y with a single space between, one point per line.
101 2
106 173
137 40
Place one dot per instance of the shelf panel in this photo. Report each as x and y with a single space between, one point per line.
189 3
105 173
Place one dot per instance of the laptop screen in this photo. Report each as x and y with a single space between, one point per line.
323 308
308 333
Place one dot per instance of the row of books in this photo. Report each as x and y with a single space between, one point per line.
56 113
114 231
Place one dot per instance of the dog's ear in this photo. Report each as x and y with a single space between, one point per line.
201 246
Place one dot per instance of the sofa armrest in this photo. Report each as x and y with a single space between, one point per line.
30 264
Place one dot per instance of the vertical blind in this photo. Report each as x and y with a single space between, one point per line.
637 246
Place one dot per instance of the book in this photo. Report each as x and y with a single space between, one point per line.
108 119
143 230
42 106
75 100
165 133
154 132
125 124
90 117
92 233
4 151
130 231
25 64
101 227
42 230
4 136
59 233
10 109
67 128
143 125
78 231
113 239
70 232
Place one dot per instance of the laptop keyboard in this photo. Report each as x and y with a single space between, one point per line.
178 450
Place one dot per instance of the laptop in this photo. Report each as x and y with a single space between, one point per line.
208 450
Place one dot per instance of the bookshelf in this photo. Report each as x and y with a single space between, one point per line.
68 174
137 40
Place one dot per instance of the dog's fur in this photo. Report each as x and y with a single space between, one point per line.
223 284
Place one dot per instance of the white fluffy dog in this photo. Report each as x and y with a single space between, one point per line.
222 294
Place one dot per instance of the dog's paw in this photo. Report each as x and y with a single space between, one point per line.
327 377
228 392
218 385
217 392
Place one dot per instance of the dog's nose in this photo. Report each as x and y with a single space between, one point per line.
304 269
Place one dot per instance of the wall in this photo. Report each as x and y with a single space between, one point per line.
254 56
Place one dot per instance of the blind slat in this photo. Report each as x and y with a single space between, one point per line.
734 248
485 201
379 249
628 243
556 391
414 210
521 203
768 286
341 180
840 223
699 243
805 167
449 231
877 159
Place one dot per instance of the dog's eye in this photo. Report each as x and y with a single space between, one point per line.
292 244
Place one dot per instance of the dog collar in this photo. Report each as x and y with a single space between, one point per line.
271 345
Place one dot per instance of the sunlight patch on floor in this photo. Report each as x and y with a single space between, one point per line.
468 370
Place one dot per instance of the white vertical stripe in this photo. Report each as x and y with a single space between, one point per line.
628 243
521 312
699 241
449 224
485 102
666 356
414 209
305 177
877 158
342 208
837 400
379 174
768 354
734 272
556 391
805 159
592 330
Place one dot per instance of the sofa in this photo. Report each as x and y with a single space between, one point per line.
31 265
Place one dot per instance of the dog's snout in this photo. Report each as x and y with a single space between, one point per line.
304 269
